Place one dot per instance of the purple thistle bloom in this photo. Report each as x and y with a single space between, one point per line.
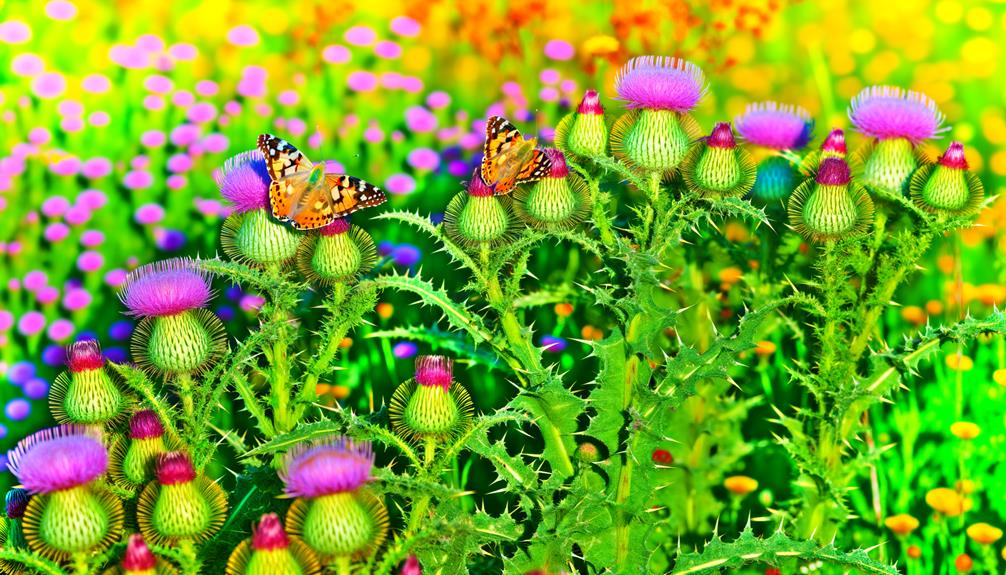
835 142
77 215
411 566
269 534
76 298
149 214
145 424
55 206
92 199
833 172
31 322
400 184
90 261
360 36
424 159
138 180
886 112
96 168
405 26
774 125
165 288
335 54
95 84
58 458
559 50
47 295
244 181
60 330
420 120
35 279
660 83
169 240
323 468
361 81
434 371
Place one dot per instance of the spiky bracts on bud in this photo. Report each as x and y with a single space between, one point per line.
653 140
775 126
476 217
132 460
140 560
948 188
334 513
585 132
717 167
831 206
431 406
889 112
338 253
270 550
87 394
832 147
180 504
13 538
888 164
189 342
558 201
254 238
69 514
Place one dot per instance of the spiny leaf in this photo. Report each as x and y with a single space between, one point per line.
456 313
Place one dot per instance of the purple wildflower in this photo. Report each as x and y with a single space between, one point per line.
360 36
92 199
137 180
559 50
553 344
437 100
387 49
35 279
335 54
76 299
400 184
96 84
207 88
20 372
404 350
48 85
37 388
327 467
405 26
92 238
96 168
60 10
660 83
434 371
148 214
17 409
774 125
243 36
58 458
60 329
165 288
27 65
833 172
145 424
120 330
406 255
411 566
424 159
361 81
244 181
30 323
886 112
420 120
90 261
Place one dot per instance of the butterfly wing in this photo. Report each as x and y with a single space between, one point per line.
501 136
536 168
283 161
349 194
287 194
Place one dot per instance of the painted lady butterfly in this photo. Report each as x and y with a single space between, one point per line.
508 159
304 195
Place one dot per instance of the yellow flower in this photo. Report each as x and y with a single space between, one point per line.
957 362
965 430
999 376
984 533
902 524
740 484
765 348
947 501
965 486
600 45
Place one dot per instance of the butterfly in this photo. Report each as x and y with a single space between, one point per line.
304 195
508 159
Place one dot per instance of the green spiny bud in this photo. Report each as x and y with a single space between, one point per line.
271 551
887 164
585 132
187 342
337 253
86 395
180 505
948 188
431 405
716 167
478 217
132 461
255 238
558 201
653 140
831 206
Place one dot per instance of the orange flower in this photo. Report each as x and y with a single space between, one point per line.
563 309
965 430
339 391
346 342
934 307
902 524
984 533
913 314
731 275
765 348
963 563
958 362
591 332
914 551
740 484
947 502
384 310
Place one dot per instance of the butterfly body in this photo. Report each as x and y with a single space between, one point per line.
508 159
302 193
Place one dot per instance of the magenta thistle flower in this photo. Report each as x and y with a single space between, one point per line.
244 181
338 226
165 288
886 112
721 137
833 172
557 162
138 556
954 157
84 355
774 125
58 458
174 467
434 370
332 466
411 566
835 142
660 83
269 534
145 424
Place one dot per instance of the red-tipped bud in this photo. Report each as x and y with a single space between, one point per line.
84 355
145 424
833 172
339 226
434 370
174 467
476 187
954 157
721 137
138 556
591 104
558 162
411 566
835 142
269 534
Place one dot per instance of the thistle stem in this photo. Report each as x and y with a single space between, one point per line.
343 566
308 391
80 566
184 384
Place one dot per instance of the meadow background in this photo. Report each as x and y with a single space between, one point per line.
115 115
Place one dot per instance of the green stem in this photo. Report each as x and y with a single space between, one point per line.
308 391
184 383
600 215
280 372
343 565
624 488
80 566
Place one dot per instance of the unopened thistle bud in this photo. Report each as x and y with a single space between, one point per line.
16 503
717 167
777 128
584 133
477 217
831 206
335 514
140 560
271 551
898 121
69 513
250 235
431 405
86 394
832 147
180 505
338 252
177 334
559 201
948 187
657 131
132 461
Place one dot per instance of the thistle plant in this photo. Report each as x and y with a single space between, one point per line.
635 469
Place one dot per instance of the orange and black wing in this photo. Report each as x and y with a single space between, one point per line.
501 136
536 168
287 168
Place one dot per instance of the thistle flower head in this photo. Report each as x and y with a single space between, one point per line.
175 467
327 467
84 355
774 125
339 226
954 157
557 161
269 534
145 424
835 142
833 172
58 458
164 288
138 556
660 83
16 502
244 181
477 187
411 566
948 187
721 137
590 104
886 112
434 370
